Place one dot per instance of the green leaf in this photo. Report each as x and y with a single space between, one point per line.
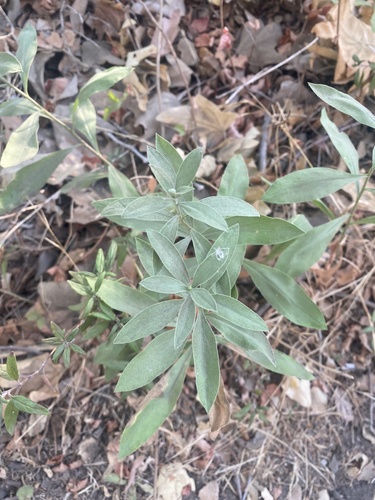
157 357
203 299
185 322
9 64
169 255
28 406
308 185
206 362
284 364
235 179
120 185
283 293
25 492
235 312
23 143
217 261
146 255
144 207
243 338
84 121
235 264
344 103
163 284
155 408
170 228
188 168
307 249
365 220
122 297
29 180
103 81
162 169
10 417
228 206
262 230
201 245
26 52
342 143
166 149
149 321
11 366
17 106
204 213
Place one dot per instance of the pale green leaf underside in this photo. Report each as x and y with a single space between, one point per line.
23 143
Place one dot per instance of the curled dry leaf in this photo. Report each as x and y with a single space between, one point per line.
220 412
298 390
173 481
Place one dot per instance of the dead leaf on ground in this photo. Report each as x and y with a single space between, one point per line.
173 481
220 412
298 390
212 122
210 491
354 38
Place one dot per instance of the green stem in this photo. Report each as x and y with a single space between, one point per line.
362 190
52 117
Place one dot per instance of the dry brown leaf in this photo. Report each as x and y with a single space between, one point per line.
134 58
259 42
170 28
354 37
220 412
212 122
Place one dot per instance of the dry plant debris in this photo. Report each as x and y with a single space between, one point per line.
229 76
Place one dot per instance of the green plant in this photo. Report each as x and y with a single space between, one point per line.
190 254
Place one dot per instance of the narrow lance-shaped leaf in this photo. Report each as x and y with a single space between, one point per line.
17 106
170 228
11 366
228 206
204 213
344 103
29 180
206 362
203 299
162 169
157 357
185 322
149 321
235 179
28 406
188 168
261 230
243 338
84 121
120 185
307 249
23 143
10 417
166 149
155 408
342 143
145 206
283 293
9 64
217 261
169 255
238 314
163 284
308 185
26 52
284 364
201 245
103 81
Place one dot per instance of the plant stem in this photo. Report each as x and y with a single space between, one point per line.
52 117
362 190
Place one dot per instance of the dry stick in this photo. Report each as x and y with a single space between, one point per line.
266 71
173 52
158 57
